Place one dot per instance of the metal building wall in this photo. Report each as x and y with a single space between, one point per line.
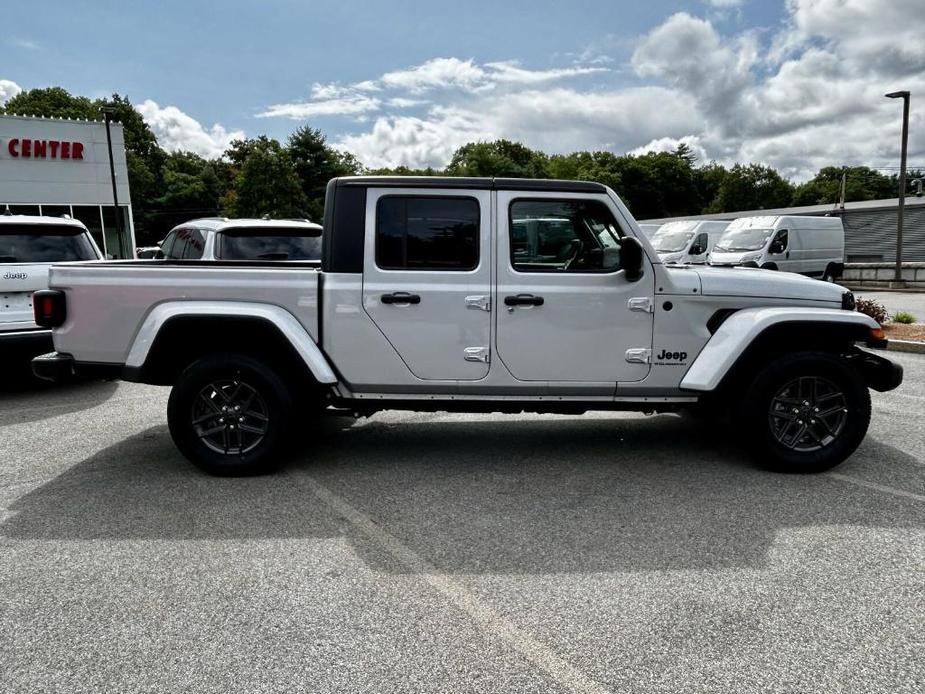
870 235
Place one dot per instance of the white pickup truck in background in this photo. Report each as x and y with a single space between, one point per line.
479 295
28 247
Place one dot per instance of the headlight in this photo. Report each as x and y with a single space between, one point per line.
750 258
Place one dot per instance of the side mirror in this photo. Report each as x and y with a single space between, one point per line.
631 258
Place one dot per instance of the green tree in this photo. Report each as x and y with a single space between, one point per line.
658 184
752 187
266 182
52 102
498 158
707 180
861 183
316 163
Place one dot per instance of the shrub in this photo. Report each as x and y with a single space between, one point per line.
874 309
903 317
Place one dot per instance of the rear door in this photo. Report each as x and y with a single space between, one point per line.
427 278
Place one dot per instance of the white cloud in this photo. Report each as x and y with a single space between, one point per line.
353 104
8 89
510 72
724 4
438 72
176 130
670 144
402 102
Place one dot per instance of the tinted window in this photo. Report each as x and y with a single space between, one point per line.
33 243
563 235
188 244
267 243
427 233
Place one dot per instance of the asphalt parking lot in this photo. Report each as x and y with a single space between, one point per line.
426 553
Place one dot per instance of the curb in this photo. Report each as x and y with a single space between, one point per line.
906 346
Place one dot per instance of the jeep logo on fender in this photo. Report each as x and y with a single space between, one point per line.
671 356
16 276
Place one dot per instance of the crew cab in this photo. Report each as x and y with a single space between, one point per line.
220 238
470 294
28 247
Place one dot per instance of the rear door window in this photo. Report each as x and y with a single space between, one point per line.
269 243
43 243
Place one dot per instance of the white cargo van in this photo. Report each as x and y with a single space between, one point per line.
813 246
687 241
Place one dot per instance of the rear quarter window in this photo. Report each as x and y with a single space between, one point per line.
44 243
269 243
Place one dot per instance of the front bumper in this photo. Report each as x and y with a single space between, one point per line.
59 368
879 373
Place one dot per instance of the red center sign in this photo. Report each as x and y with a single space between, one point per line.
44 149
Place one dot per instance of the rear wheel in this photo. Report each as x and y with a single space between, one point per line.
229 415
806 412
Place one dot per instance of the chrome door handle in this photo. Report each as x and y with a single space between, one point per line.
400 298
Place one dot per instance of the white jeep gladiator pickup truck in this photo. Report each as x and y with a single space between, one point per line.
477 295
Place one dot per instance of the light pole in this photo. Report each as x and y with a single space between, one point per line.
904 95
108 112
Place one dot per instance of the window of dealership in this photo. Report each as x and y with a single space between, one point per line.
57 167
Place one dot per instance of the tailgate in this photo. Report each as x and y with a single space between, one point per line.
17 282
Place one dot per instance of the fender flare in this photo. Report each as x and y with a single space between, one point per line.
293 331
741 329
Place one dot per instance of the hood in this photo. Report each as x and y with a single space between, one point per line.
743 281
671 257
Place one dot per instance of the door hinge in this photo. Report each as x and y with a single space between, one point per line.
479 301
640 303
639 355
477 354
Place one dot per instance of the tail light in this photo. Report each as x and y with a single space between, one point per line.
49 307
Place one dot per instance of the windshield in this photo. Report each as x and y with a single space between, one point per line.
672 241
43 243
267 243
743 240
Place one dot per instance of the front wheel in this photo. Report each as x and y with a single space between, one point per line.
229 415
806 412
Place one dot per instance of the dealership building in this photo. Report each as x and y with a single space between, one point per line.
54 167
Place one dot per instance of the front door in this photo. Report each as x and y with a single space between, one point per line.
427 278
566 311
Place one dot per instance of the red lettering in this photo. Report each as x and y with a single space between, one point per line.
65 150
77 150
11 146
27 148
39 148
53 144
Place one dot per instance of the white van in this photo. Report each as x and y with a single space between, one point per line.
687 241
813 246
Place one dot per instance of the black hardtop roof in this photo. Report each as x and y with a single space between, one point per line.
531 184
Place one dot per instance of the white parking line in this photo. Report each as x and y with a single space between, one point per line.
874 485
485 617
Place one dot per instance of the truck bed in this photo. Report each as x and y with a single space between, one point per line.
109 301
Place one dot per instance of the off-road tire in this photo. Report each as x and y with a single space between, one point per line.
245 441
817 393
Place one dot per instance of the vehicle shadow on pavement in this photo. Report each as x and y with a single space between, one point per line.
550 495
22 402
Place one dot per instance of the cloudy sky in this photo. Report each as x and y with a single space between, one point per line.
797 84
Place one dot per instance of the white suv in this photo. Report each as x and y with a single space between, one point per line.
28 247
243 239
